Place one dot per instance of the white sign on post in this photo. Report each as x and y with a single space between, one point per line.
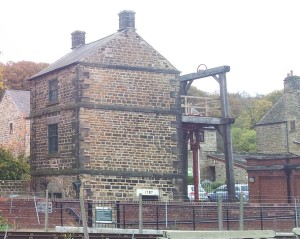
41 207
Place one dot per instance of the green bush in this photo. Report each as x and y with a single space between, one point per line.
13 167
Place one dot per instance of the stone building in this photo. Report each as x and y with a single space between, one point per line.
106 116
278 131
14 121
274 174
216 167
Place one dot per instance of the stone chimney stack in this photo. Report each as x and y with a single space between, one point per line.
78 38
291 83
126 20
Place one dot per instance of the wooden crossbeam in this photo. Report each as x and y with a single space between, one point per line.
205 73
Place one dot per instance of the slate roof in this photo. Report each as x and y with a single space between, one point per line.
274 115
76 55
22 99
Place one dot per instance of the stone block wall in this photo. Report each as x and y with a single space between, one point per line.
272 138
14 187
240 172
118 115
17 138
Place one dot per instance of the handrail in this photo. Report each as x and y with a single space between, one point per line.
73 213
201 106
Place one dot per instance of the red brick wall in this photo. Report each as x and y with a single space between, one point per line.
156 215
271 181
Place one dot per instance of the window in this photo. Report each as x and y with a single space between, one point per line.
53 138
11 128
292 125
201 135
53 90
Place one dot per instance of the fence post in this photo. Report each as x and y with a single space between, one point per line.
90 213
227 219
296 213
157 216
220 213
194 219
124 217
241 212
61 214
118 214
46 212
166 209
140 214
261 219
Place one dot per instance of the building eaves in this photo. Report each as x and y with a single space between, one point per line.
76 55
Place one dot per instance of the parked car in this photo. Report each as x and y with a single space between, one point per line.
202 193
240 189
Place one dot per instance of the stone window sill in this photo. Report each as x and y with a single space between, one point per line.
50 103
52 155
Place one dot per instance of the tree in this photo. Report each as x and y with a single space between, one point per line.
273 96
254 110
13 167
243 140
16 74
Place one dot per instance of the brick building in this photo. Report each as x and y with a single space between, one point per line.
14 121
107 115
274 178
278 131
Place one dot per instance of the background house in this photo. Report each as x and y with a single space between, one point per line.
274 175
278 130
215 170
107 117
14 121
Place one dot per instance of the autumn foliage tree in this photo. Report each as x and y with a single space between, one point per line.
15 74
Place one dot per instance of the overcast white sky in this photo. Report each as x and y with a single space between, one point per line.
258 39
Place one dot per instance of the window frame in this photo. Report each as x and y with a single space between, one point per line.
11 128
53 138
53 90
292 125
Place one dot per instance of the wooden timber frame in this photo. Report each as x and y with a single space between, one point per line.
192 125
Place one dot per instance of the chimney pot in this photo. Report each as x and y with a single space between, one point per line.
126 20
78 38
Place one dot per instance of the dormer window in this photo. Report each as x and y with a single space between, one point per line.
53 90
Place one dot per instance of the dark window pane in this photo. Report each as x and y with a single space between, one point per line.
53 90
53 138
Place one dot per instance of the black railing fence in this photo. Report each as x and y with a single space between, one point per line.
189 215
157 215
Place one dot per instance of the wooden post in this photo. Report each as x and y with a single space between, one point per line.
83 214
